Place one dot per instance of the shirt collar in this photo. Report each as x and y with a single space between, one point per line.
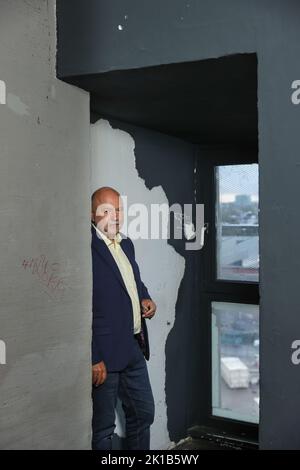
107 240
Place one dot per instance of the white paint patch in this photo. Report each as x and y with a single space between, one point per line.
15 104
2 92
120 27
2 352
189 231
113 164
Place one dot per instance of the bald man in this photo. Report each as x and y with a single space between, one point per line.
121 305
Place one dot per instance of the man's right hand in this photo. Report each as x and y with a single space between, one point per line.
99 373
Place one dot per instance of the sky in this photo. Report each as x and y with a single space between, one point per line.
238 179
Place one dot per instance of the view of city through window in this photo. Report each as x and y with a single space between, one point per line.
235 330
235 364
237 222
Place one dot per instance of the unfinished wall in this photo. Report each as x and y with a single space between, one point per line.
120 159
45 290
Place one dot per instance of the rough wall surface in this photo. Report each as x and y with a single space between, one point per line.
45 290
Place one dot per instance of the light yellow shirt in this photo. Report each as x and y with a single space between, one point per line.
127 274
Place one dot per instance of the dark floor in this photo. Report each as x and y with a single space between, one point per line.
204 438
199 444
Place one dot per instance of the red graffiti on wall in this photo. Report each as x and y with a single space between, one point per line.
48 274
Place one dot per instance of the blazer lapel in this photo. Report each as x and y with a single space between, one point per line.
104 252
128 253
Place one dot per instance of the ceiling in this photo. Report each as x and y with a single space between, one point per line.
208 102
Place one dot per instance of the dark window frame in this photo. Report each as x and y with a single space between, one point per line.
211 289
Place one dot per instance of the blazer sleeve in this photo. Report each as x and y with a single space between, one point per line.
97 355
145 293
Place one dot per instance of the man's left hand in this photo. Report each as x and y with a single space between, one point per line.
149 308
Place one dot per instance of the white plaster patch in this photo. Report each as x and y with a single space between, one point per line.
15 104
189 231
2 352
113 164
2 92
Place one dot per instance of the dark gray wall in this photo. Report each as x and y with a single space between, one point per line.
156 32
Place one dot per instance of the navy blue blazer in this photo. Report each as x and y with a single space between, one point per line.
113 335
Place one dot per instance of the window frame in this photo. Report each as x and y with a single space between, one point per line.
210 288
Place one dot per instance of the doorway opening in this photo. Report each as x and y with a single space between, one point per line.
212 106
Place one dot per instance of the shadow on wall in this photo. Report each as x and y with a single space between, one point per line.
169 162
164 171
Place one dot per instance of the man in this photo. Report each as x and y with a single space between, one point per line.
121 303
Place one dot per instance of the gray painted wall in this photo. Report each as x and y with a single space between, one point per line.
45 304
126 34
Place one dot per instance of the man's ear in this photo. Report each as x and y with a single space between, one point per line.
92 217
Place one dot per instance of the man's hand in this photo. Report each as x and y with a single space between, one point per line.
99 373
149 308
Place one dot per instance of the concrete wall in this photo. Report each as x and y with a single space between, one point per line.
195 30
45 290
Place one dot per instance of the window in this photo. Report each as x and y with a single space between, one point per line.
237 222
228 295
235 361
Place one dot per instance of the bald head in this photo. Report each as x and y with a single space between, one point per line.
103 195
106 210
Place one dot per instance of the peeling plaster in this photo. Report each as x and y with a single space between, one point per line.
113 163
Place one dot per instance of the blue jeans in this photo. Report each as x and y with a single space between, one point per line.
133 387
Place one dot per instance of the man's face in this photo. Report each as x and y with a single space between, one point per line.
108 214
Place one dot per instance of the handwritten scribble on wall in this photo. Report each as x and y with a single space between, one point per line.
47 274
